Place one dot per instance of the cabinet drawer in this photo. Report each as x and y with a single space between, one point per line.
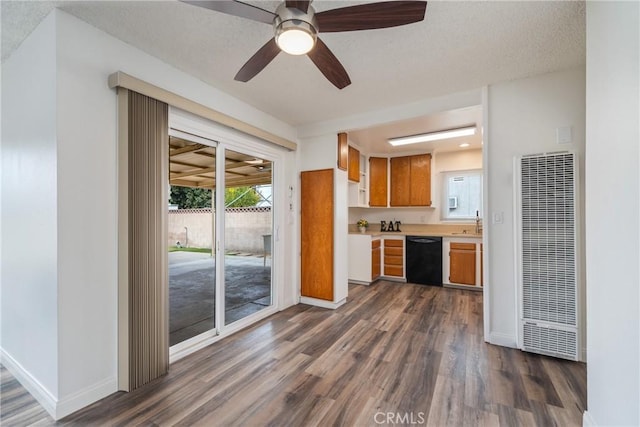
392 260
393 251
393 243
393 270
375 244
463 246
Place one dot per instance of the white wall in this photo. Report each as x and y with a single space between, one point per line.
76 144
88 255
321 152
29 241
612 219
522 119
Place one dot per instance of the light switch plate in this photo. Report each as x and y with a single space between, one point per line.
498 217
563 135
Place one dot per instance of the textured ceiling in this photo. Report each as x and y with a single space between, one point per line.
459 46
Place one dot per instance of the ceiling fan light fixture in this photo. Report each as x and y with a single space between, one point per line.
295 38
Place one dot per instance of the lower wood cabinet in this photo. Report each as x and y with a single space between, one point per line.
462 261
364 258
375 259
394 257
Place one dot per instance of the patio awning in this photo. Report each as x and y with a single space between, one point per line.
194 165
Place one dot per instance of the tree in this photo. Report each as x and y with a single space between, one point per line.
237 197
190 198
196 198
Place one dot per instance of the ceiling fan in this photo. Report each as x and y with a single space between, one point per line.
296 26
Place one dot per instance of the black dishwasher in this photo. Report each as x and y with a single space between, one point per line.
424 260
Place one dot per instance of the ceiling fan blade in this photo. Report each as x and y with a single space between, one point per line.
371 16
258 61
302 5
235 8
329 65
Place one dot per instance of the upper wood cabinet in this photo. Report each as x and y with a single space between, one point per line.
354 164
411 180
378 181
400 181
343 151
420 180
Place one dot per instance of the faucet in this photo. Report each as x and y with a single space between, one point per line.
478 223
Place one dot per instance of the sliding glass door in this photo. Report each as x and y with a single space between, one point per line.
248 225
220 220
191 223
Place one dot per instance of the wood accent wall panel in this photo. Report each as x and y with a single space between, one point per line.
420 193
400 181
354 164
148 261
462 261
316 192
343 151
378 181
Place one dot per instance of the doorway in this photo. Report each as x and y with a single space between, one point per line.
220 232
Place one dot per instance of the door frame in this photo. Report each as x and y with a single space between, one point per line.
201 130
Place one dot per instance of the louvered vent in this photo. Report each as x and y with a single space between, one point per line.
548 253
550 340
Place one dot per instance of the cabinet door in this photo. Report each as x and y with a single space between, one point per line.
375 259
462 263
316 192
400 181
343 151
378 181
354 164
420 193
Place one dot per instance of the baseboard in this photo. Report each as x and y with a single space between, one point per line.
78 400
322 303
359 282
588 420
465 287
65 406
503 340
32 385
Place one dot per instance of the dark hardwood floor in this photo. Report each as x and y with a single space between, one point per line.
395 354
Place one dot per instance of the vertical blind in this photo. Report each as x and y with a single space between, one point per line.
148 167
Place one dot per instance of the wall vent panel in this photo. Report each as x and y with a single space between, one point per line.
546 213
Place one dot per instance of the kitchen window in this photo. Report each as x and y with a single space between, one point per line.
462 194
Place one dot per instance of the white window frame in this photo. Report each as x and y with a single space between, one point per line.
445 176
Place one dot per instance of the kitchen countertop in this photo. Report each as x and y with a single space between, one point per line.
416 233
436 230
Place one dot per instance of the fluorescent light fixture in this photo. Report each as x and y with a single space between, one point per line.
433 136
464 145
